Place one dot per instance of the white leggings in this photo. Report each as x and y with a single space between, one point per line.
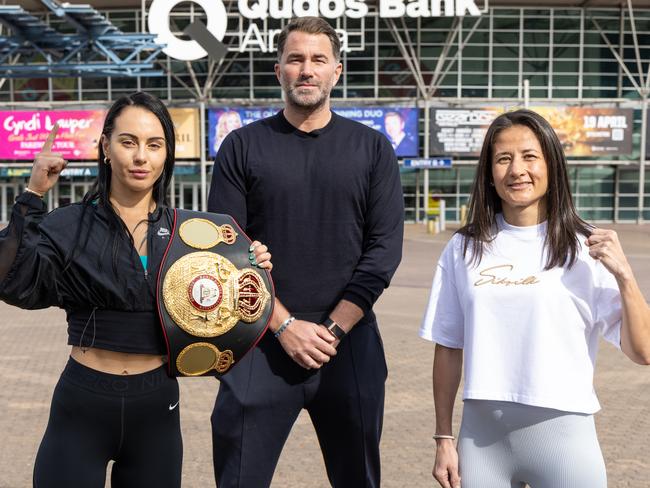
509 445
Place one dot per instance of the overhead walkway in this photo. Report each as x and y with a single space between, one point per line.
30 48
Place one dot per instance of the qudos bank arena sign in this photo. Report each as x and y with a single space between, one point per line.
254 39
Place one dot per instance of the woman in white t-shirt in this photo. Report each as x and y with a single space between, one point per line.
519 299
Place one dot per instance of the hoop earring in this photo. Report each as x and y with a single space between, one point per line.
107 161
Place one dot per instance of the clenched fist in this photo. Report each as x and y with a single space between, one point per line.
605 247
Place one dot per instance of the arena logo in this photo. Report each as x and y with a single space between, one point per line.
255 39
190 50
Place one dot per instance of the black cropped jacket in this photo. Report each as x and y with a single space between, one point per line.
110 299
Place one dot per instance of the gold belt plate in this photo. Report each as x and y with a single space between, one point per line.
206 295
203 234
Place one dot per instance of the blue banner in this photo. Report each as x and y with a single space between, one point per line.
398 124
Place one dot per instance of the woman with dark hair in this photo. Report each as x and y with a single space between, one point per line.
519 299
98 260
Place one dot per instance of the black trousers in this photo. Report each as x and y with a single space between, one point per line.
261 397
96 417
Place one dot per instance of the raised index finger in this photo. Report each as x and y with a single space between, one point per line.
49 142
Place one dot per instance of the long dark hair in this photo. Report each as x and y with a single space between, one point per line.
99 193
563 223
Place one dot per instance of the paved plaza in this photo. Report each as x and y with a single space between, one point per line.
34 352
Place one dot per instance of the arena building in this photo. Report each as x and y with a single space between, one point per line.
430 74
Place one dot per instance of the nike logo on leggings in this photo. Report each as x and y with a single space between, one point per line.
172 407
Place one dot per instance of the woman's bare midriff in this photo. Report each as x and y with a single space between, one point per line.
116 362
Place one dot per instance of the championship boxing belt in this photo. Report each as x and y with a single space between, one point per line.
214 305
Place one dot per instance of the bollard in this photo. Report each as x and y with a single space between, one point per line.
463 215
433 225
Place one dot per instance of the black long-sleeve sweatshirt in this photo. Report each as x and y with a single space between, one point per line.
328 203
110 300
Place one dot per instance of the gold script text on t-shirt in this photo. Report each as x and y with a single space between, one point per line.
494 276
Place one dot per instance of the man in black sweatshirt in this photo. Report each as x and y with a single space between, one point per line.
324 193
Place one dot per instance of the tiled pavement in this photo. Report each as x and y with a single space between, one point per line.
34 352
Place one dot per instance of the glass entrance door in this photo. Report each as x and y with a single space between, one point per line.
189 194
412 186
78 190
8 193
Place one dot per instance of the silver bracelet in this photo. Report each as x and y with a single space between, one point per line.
283 326
443 436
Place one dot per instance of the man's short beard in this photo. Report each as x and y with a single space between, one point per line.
300 102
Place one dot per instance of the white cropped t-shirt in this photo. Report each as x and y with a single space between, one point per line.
529 335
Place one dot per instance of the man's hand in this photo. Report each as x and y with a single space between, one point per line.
308 344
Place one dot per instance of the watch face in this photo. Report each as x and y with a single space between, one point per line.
336 330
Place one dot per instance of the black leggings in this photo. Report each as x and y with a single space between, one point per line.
96 417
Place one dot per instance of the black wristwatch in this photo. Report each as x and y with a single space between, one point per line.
334 328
